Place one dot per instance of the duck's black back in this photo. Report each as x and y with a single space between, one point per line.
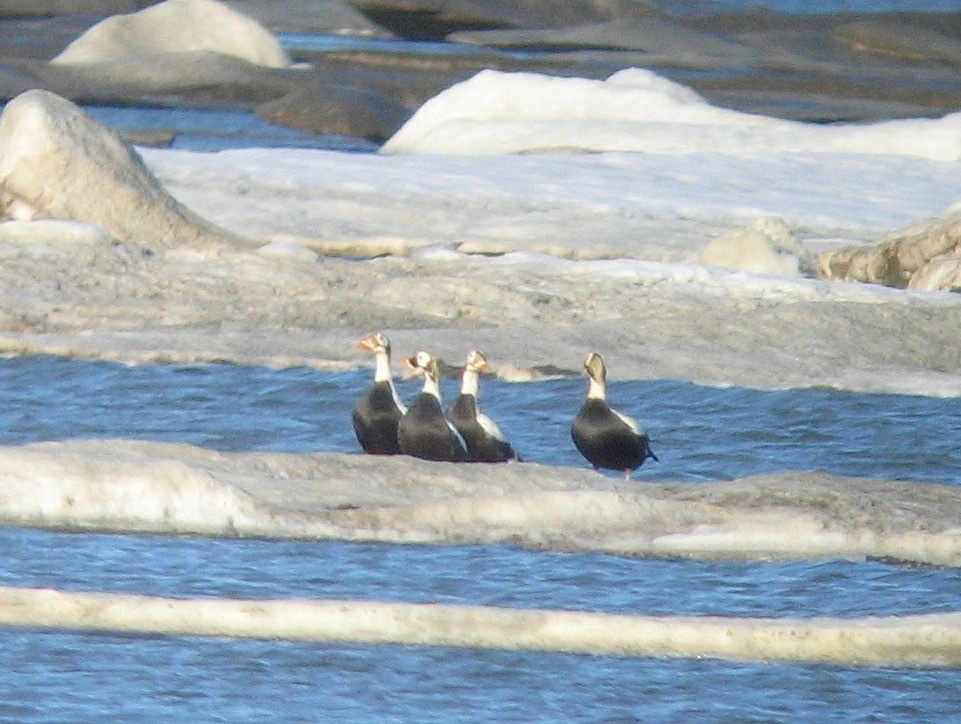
375 419
606 440
424 433
481 446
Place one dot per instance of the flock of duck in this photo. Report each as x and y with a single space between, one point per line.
385 426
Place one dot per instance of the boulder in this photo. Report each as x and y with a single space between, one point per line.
339 109
436 18
48 8
199 73
176 26
925 255
648 34
57 162
901 40
308 16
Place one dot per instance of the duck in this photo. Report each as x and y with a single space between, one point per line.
606 437
377 414
485 441
423 431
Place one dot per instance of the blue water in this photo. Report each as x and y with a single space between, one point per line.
293 42
197 129
700 433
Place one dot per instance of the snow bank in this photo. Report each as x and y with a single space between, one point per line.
175 26
932 640
636 110
648 206
142 487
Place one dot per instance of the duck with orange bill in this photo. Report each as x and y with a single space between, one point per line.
423 431
485 441
377 414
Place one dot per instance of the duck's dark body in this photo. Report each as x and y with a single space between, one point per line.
375 418
424 432
606 440
482 447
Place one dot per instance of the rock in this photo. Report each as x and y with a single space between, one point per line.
203 74
648 34
176 26
48 8
56 162
921 256
905 41
308 16
14 82
437 18
339 109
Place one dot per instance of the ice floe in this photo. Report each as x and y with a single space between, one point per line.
932 640
135 486
56 162
639 111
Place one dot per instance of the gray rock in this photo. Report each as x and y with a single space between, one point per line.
48 8
436 18
202 73
905 41
338 109
308 16
648 34
14 81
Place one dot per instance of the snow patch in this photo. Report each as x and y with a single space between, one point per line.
636 110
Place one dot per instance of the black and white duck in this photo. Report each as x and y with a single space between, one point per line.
607 438
423 431
485 441
377 414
